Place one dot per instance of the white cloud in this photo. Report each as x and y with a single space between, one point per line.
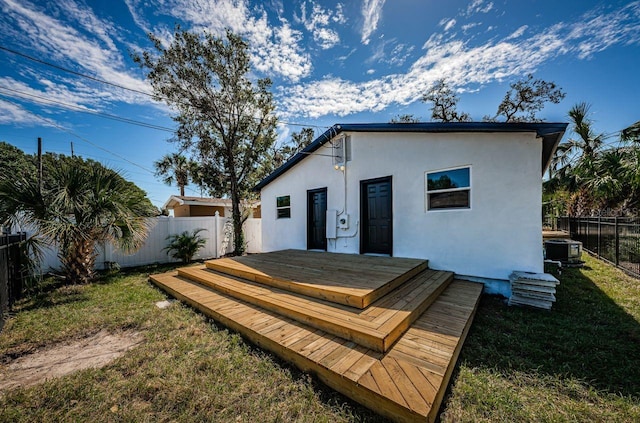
463 65
14 114
400 54
397 56
318 23
134 7
49 92
371 13
93 51
447 24
275 49
600 31
478 6
517 33
471 25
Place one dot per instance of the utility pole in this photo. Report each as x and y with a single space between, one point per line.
40 164
72 149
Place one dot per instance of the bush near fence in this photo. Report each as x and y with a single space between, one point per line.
613 239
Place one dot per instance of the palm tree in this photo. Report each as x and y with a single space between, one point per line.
185 245
85 205
583 148
173 167
631 134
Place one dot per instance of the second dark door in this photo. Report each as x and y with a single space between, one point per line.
377 217
317 219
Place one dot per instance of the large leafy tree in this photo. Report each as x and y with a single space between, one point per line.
174 168
445 102
526 98
405 118
14 161
82 204
223 117
297 142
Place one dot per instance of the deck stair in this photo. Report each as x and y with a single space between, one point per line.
387 336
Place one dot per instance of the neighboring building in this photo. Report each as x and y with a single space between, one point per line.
466 196
184 206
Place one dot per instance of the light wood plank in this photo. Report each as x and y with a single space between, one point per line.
407 389
422 385
361 366
386 383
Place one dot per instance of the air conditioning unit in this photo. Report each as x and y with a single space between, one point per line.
563 250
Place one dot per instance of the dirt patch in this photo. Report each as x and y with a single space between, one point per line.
95 351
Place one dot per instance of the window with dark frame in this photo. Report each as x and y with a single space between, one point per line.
449 189
283 207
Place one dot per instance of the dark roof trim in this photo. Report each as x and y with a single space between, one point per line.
551 134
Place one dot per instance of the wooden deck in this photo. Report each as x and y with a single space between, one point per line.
349 279
406 382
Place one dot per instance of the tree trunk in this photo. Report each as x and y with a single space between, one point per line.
238 236
79 261
181 190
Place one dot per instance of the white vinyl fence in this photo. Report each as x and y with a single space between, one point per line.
218 233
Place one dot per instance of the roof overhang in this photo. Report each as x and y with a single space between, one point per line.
550 133
176 200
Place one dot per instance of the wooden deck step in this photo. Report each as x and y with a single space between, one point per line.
348 279
376 327
405 384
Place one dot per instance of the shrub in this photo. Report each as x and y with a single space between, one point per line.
185 245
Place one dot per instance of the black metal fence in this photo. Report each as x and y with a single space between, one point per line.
11 280
614 239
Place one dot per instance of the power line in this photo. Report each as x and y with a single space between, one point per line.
42 62
102 81
63 129
87 111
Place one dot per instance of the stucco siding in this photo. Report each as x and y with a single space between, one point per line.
181 211
501 232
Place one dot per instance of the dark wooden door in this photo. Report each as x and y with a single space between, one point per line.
317 219
376 216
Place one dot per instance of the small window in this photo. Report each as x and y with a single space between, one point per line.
449 189
283 206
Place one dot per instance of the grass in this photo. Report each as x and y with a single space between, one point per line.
579 362
187 369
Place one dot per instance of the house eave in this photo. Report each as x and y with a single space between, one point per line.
551 134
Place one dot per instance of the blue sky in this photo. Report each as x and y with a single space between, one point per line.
331 62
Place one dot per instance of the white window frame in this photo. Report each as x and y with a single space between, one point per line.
427 191
283 207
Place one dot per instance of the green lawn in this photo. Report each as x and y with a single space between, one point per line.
579 362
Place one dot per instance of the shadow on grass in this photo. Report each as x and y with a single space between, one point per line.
51 292
586 336
55 290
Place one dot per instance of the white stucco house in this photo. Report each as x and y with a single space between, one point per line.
466 196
